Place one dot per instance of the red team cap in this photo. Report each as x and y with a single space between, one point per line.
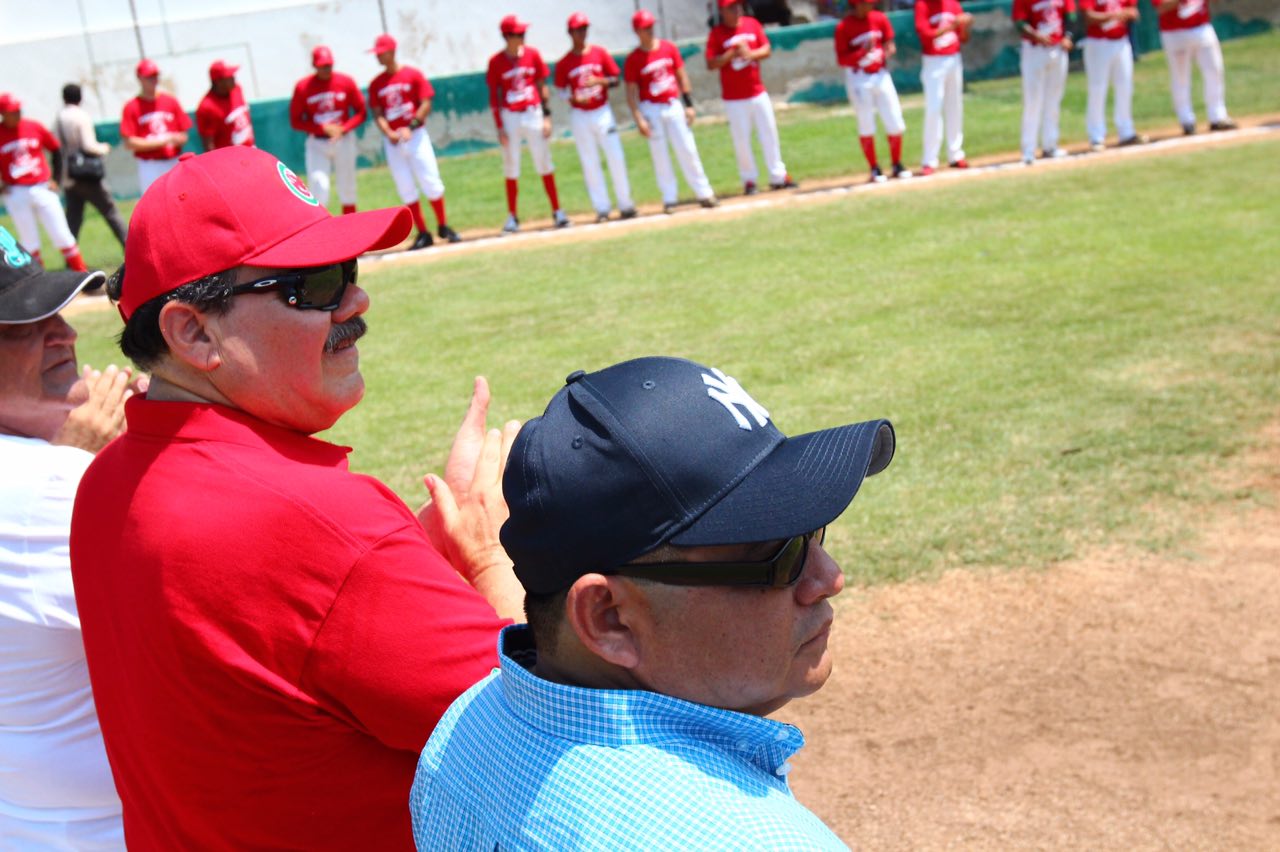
322 56
382 44
220 70
8 103
642 20
147 68
239 207
512 25
578 20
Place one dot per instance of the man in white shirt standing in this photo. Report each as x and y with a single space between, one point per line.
74 129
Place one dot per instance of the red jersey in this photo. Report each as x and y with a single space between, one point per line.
654 71
932 15
144 119
22 161
1044 16
1187 15
319 102
595 61
226 119
397 96
514 83
861 42
1111 29
739 78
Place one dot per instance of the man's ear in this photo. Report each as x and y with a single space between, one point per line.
600 611
185 329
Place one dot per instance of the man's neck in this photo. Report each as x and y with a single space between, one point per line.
162 390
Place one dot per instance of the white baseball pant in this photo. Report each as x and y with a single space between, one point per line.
526 125
336 156
27 204
1044 79
593 130
667 122
874 93
943 81
1202 43
1108 61
414 159
150 171
743 114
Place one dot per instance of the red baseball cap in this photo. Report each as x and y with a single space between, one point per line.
382 44
578 20
234 207
512 25
8 103
322 56
220 70
642 19
147 68
725 3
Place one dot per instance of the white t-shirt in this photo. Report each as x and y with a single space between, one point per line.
56 790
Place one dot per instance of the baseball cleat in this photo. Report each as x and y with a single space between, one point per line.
1228 124
602 217
749 188
669 208
926 171
448 234
961 163
708 203
1028 161
1095 147
423 241
512 225
786 183
1189 129
1054 154
877 176
901 171
629 213
1135 139
560 220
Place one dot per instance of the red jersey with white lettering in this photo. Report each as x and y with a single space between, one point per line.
1044 16
573 69
654 71
22 161
397 96
861 42
932 15
1187 15
1111 29
147 119
739 78
514 83
319 102
226 119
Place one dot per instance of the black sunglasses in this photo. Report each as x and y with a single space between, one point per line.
317 289
781 570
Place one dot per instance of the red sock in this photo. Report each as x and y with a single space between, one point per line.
895 148
348 208
35 255
437 207
549 184
869 149
513 190
74 261
416 209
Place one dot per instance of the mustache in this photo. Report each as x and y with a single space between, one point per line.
352 329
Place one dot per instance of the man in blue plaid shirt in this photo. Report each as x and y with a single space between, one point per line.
669 540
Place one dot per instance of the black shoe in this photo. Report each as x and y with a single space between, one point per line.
423 241
1135 139
708 203
901 171
448 234
629 213
1223 125
877 176
602 217
749 188
669 208
1189 129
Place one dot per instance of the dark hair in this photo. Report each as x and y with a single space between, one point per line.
141 341
71 94
545 613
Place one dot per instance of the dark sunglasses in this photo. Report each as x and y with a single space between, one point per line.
781 570
318 289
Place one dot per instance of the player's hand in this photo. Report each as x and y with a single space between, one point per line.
99 415
405 133
333 131
502 137
546 127
689 115
53 185
1067 43
642 125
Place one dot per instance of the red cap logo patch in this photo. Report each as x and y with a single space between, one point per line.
296 185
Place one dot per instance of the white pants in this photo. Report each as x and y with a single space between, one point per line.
337 156
871 94
150 171
743 114
27 204
1108 61
943 81
1044 78
526 125
667 122
1202 43
593 130
414 159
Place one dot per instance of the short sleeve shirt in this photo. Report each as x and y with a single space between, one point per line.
1044 16
319 102
860 42
654 72
397 96
22 160
1111 29
572 69
932 15
1187 15
739 78
225 119
514 83
148 119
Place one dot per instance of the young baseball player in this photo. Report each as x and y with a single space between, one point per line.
1185 32
328 107
222 118
29 188
518 96
735 48
864 46
942 26
584 76
400 98
658 93
1108 60
153 126
1043 62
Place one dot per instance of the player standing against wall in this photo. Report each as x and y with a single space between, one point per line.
328 107
153 126
942 26
1185 32
864 45
1108 60
1043 62
222 118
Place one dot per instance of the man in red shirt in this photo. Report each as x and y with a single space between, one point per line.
1043 62
222 118
1108 60
400 98
735 48
154 126
328 107
518 95
30 192
1185 32
657 86
864 44
584 77
271 638
942 26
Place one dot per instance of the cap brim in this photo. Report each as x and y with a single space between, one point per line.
338 238
43 295
804 484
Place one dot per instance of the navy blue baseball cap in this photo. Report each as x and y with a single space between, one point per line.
663 450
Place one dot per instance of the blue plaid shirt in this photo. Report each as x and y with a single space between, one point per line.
519 762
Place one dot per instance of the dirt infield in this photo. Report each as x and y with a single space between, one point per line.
1119 701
